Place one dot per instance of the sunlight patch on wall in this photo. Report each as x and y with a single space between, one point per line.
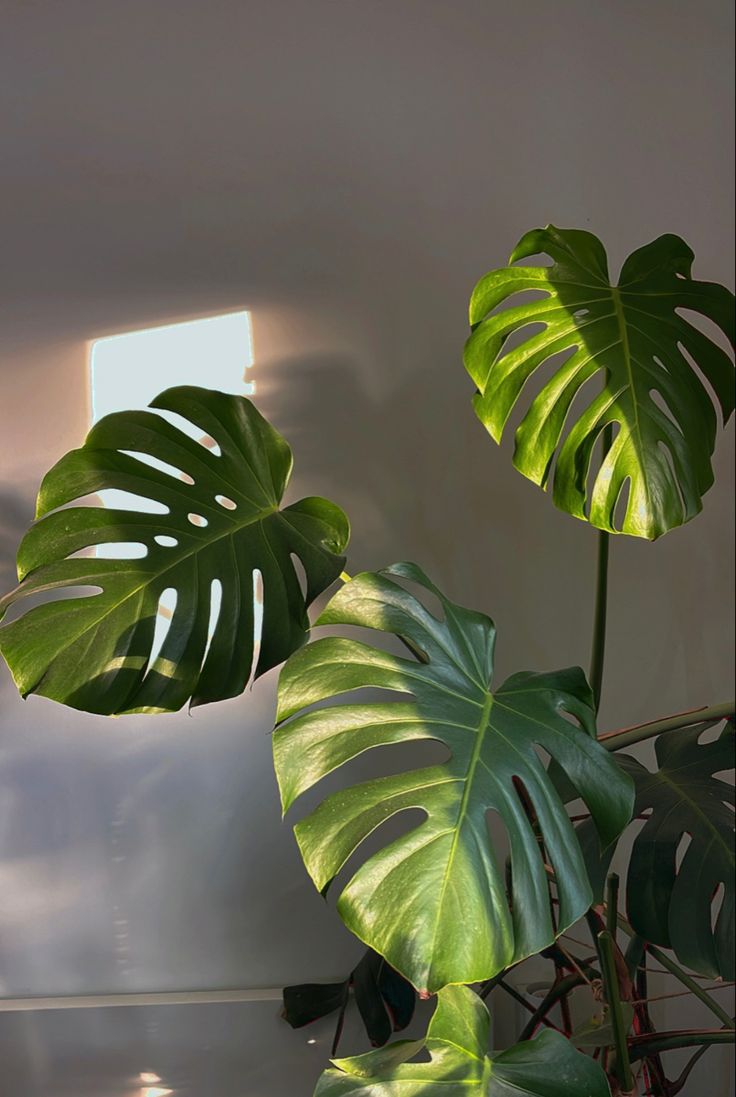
128 370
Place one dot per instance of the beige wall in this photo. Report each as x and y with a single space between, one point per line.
346 170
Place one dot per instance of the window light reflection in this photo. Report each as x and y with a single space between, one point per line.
128 371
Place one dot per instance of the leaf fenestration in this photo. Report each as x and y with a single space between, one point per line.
222 521
669 896
434 902
630 350
457 1041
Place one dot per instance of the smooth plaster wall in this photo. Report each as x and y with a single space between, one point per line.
346 170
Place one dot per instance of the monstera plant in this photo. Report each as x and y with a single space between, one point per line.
505 841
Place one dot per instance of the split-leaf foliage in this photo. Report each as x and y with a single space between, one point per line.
616 391
630 356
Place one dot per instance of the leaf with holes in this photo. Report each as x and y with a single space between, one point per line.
222 523
672 905
670 897
434 901
629 352
457 1042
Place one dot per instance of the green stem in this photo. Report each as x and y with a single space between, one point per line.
679 973
612 905
667 1041
345 577
615 740
675 969
601 612
679 1083
635 954
622 1065
601 596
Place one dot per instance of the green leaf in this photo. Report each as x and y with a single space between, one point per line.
385 1000
667 904
671 905
457 1041
434 901
93 652
305 1003
623 344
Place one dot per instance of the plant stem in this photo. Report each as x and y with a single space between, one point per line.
553 995
601 612
491 984
652 1066
679 973
601 595
622 1065
679 1083
615 740
686 993
663 959
340 1021
642 1046
635 954
612 905
513 993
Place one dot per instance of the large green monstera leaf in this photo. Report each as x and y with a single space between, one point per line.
669 895
627 353
434 902
222 523
457 1041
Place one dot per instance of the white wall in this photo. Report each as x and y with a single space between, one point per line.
346 170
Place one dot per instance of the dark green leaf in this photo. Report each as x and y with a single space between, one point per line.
434 901
667 904
384 998
307 1002
93 652
671 905
457 1041
628 353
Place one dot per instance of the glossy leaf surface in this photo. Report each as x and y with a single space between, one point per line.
457 1041
222 522
670 893
434 901
624 357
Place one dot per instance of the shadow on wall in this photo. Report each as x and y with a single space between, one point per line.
409 463
17 509
16 514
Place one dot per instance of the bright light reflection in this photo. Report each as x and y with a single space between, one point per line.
148 1076
156 1091
129 370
